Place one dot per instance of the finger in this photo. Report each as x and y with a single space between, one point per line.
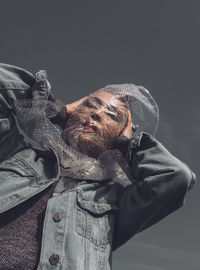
78 102
129 120
70 108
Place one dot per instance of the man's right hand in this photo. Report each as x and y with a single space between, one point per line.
70 108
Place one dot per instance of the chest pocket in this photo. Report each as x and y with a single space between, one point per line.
95 221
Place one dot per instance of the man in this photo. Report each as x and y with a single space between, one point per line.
84 181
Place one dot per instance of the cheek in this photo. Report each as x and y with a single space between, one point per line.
77 117
112 129
83 110
117 130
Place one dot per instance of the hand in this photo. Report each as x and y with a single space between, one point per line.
129 128
70 108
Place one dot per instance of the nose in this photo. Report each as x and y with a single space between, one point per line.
95 117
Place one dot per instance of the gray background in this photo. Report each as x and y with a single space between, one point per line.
85 45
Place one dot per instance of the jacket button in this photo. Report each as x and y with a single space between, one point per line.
54 259
57 217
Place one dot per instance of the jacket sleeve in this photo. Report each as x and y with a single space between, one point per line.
161 182
24 170
19 84
14 84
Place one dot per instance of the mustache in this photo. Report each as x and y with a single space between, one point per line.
80 121
76 124
89 144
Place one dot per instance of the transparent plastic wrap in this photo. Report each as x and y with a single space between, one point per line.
83 144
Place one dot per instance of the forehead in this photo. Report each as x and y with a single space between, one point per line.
107 98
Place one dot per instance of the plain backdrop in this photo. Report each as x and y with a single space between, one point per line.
85 45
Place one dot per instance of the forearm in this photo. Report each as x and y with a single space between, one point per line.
147 158
16 87
161 183
14 84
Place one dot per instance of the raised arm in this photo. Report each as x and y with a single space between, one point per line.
14 84
161 182
24 169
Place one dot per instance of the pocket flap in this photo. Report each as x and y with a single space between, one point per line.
94 207
16 166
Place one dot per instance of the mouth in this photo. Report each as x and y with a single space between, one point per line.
89 127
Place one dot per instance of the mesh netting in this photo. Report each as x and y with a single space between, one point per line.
36 118
143 108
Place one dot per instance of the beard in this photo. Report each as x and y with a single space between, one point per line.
89 143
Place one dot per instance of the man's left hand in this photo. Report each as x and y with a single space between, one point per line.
129 128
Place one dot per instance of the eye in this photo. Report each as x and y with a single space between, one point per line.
89 104
112 116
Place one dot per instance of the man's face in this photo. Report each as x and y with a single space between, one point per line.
96 122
